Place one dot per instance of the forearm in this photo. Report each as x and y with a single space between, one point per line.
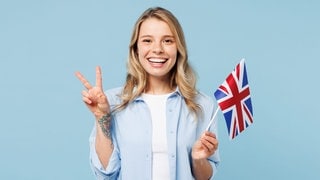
202 169
104 145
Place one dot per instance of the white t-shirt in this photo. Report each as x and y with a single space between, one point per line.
160 161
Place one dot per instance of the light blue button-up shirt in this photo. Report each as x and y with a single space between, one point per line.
132 138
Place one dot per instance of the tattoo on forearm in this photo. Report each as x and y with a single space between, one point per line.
105 124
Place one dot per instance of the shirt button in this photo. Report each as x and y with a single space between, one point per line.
170 110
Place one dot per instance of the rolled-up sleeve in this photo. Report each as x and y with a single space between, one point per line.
214 161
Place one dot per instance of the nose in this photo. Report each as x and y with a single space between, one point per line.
157 48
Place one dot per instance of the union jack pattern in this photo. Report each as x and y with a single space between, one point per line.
233 97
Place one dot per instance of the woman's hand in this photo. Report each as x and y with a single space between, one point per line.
93 96
205 146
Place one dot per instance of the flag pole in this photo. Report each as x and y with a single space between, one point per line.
212 119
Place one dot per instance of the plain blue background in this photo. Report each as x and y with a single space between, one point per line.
45 126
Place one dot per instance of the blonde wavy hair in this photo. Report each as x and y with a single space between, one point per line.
182 74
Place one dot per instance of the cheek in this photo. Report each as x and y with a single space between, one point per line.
141 56
172 52
174 55
141 52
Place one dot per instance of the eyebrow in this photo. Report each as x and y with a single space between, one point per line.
165 36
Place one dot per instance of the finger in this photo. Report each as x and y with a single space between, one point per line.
211 143
211 140
86 97
85 94
211 134
84 81
86 100
98 77
211 148
207 145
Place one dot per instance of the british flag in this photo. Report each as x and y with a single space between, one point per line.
234 100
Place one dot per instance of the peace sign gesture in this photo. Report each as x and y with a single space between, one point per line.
93 96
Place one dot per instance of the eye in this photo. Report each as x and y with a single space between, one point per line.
146 40
168 41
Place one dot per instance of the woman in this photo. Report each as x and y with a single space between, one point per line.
154 126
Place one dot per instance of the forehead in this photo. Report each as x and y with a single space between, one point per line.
154 26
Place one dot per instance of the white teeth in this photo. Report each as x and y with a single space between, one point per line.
155 60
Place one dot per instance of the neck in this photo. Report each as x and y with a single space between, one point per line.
158 87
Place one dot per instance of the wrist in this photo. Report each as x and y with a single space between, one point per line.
99 115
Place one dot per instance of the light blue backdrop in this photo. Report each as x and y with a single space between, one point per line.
45 126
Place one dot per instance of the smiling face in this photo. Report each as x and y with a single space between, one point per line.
157 49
